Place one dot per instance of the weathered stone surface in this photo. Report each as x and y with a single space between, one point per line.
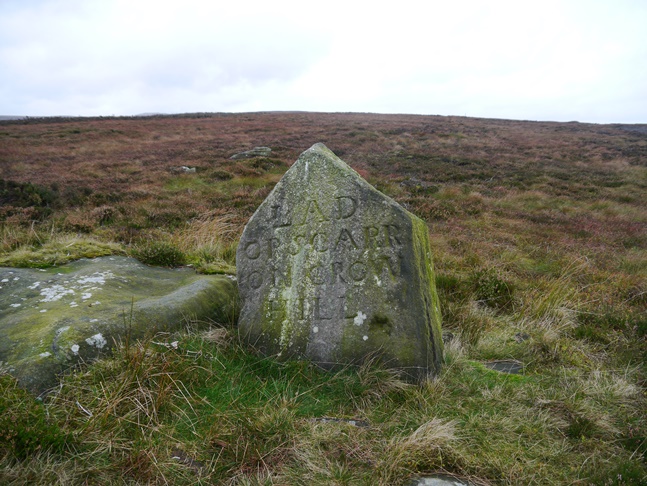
255 152
509 366
333 420
331 270
51 319
183 169
438 480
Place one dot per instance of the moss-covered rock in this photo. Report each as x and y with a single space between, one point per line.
52 319
332 270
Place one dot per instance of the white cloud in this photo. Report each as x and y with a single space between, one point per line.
557 60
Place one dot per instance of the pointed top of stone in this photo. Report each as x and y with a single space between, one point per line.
334 271
320 167
320 152
324 160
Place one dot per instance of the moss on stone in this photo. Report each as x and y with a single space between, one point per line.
332 270
51 319
59 252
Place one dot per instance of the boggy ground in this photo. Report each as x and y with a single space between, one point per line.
538 232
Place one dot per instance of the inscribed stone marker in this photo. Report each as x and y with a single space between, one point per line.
331 270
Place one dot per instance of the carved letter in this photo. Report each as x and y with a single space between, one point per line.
386 261
337 269
318 315
276 310
274 243
357 271
345 237
370 232
296 245
276 217
316 275
278 276
312 209
343 309
391 234
302 311
255 280
346 207
253 250
319 242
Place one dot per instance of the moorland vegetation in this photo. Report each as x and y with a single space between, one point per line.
540 247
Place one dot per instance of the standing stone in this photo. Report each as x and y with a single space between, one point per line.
331 270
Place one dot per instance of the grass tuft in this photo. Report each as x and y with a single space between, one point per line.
57 250
159 253
537 231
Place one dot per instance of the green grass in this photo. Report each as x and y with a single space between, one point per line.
207 410
159 253
538 233
57 250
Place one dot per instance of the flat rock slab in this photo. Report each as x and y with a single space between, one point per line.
333 271
505 366
438 480
54 318
255 152
333 420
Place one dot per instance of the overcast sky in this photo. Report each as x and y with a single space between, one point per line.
519 59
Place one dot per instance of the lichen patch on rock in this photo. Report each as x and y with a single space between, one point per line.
332 270
52 319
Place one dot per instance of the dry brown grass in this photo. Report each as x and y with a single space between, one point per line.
540 238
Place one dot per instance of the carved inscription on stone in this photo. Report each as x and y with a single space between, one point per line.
331 270
334 255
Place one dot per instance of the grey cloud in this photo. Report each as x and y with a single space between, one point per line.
550 61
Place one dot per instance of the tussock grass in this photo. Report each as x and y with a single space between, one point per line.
57 249
13 237
187 409
211 239
539 246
